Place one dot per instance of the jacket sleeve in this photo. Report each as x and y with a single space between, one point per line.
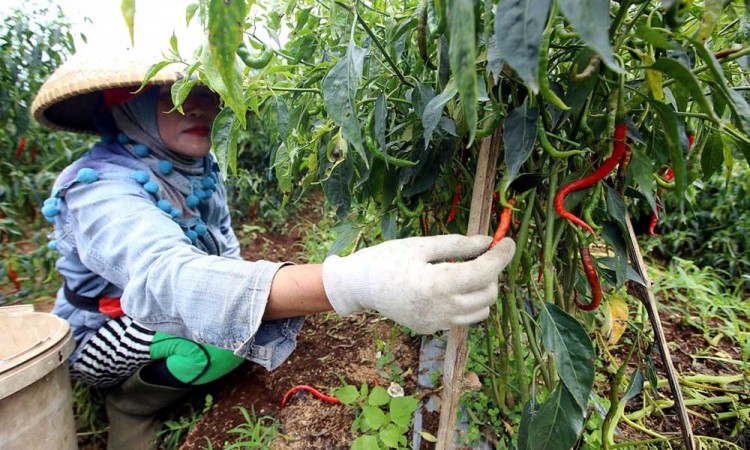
168 284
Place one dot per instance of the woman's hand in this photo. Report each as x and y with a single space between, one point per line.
415 282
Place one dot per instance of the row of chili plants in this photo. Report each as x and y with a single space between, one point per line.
598 108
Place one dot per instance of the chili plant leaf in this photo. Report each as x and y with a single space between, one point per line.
590 18
642 170
735 100
462 55
434 110
224 135
366 442
558 422
520 134
613 235
401 410
283 169
337 186
567 340
388 226
676 140
710 15
518 30
635 386
340 95
230 94
346 233
530 410
225 22
127 7
686 80
712 156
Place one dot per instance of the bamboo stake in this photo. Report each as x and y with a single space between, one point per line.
646 295
457 351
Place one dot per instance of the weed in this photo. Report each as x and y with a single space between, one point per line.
256 432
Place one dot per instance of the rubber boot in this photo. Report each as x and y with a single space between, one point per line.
131 410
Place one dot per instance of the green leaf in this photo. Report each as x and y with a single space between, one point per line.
282 165
190 13
616 205
347 394
434 110
558 422
520 134
685 80
711 13
378 397
654 37
674 132
225 27
340 95
224 134
230 94
346 233
392 436
337 187
642 170
402 410
180 90
567 340
127 7
462 55
712 156
366 442
374 417
152 71
735 100
635 386
518 29
388 226
613 235
590 18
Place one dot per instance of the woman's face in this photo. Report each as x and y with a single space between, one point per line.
188 134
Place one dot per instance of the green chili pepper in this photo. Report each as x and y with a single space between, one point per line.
411 213
374 147
544 87
489 128
548 147
255 62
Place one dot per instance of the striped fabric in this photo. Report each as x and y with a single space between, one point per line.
115 352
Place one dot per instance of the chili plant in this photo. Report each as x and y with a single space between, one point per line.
386 105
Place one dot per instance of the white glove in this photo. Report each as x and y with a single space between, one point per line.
413 282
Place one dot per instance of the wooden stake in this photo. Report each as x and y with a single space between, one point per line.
646 295
457 351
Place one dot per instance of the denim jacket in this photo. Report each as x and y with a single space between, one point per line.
116 242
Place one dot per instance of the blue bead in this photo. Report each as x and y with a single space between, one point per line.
151 187
175 213
165 167
140 176
200 229
140 150
209 183
207 194
122 138
164 206
199 193
50 211
52 245
87 175
192 236
108 138
51 201
192 201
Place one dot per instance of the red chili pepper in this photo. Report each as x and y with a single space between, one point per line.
504 225
21 146
668 176
454 204
313 391
606 167
596 289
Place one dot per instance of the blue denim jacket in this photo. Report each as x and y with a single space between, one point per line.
116 242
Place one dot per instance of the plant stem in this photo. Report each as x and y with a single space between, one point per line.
377 43
549 234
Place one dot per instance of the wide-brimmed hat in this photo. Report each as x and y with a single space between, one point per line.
72 95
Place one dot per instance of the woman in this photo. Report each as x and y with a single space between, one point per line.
155 289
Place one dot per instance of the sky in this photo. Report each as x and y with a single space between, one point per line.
155 20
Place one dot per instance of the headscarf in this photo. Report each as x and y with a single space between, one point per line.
137 119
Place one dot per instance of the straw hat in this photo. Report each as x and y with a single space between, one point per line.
73 93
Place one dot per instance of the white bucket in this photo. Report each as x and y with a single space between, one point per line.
36 399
